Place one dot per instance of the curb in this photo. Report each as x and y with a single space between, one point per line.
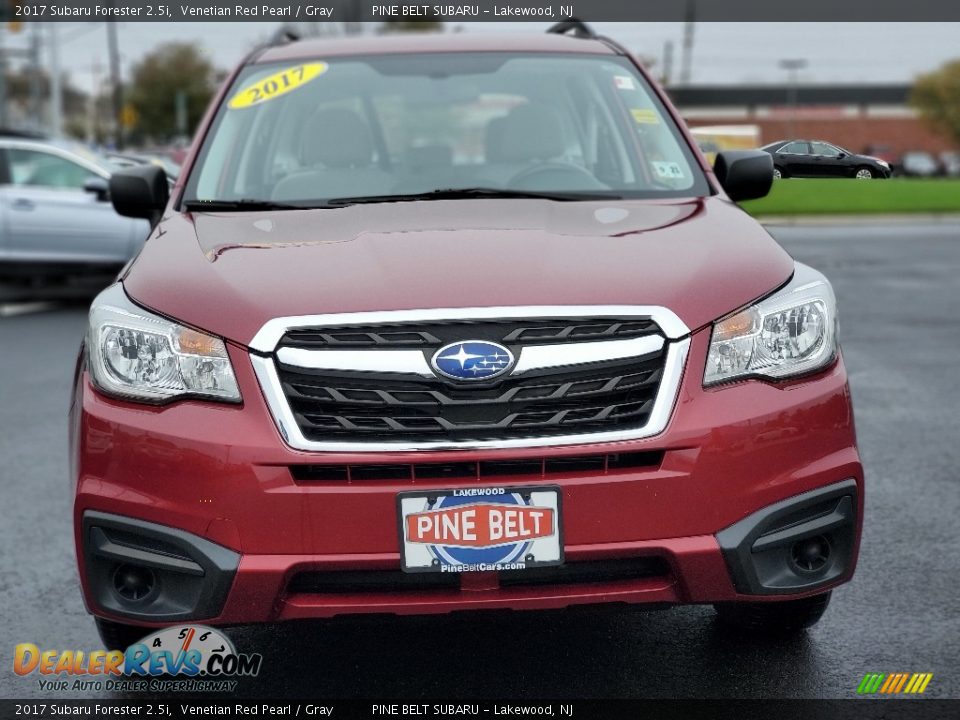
875 219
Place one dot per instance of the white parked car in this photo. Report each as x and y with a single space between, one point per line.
56 219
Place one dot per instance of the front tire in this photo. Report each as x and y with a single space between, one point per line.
773 618
864 173
778 173
119 636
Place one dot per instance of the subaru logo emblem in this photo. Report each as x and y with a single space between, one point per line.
472 360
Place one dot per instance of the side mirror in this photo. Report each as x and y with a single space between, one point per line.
140 192
841 156
99 187
744 174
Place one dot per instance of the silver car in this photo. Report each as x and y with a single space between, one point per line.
56 219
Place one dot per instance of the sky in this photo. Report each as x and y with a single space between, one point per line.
724 53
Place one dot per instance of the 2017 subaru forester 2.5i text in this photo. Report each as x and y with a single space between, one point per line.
457 322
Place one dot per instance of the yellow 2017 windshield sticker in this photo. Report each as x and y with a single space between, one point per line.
645 116
273 86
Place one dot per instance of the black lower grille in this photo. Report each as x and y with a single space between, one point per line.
605 396
392 581
480 469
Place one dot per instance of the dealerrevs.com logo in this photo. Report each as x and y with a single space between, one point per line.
190 658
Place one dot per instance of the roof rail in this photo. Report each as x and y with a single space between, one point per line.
580 29
283 36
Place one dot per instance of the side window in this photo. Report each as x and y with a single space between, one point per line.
32 168
822 148
795 148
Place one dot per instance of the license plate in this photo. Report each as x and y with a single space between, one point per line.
479 529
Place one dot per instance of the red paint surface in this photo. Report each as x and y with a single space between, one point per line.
223 471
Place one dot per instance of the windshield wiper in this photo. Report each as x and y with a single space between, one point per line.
473 192
239 205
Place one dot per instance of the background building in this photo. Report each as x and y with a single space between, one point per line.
857 117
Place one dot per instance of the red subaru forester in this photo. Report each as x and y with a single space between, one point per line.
457 322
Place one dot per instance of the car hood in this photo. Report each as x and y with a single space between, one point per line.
229 273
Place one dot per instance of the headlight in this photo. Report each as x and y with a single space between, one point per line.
136 354
792 332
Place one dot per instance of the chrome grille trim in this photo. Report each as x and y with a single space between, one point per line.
269 336
659 417
537 357
393 361
534 357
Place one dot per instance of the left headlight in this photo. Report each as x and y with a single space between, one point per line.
141 356
792 332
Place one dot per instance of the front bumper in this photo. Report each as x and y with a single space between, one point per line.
660 531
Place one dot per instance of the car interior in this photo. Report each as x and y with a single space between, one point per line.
521 125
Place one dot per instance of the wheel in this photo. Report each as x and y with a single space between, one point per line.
864 173
119 636
778 174
771 618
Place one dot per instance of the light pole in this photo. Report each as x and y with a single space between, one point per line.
686 58
113 53
793 67
56 91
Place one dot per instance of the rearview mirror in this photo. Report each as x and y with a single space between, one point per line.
98 186
744 174
140 192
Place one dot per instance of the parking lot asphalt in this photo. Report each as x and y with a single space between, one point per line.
898 287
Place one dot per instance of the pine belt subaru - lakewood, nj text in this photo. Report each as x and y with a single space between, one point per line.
457 322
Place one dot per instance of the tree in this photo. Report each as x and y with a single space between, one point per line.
405 26
25 84
936 96
172 69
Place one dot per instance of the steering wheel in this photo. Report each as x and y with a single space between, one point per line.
555 176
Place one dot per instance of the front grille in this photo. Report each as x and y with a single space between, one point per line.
367 406
480 470
371 406
434 335
396 581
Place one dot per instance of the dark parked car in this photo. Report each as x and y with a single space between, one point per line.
818 159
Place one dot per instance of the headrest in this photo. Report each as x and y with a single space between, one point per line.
338 138
530 132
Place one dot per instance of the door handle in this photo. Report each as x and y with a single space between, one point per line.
23 204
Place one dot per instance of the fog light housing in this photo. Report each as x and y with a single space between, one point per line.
134 583
796 545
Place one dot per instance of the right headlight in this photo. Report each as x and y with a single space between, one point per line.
137 355
792 332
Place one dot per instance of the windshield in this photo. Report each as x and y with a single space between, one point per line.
382 127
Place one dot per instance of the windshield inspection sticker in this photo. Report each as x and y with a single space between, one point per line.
670 170
623 82
645 116
273 86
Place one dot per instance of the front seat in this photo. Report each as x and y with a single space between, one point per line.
529 134
336 151
530 140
